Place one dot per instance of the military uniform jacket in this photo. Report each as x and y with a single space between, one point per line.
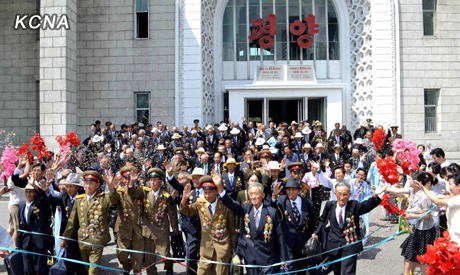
336 236
238 183
262 245
296 234
217 231
38 218
91 219
130 210
159 214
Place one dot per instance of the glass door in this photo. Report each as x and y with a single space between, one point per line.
255 110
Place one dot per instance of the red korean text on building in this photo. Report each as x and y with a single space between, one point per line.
264 32
298 28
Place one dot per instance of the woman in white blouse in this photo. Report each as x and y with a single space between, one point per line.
452 203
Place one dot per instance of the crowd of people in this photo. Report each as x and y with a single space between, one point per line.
254 194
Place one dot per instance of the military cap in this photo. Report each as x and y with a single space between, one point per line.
156 173
251 173
196 120
296 166
265 154
126 171
293 183
207 182
179 150
93 175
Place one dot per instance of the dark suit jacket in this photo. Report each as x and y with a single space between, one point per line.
295 146
296 235
254 249
37 222
237 186
212 146
190 224
336 237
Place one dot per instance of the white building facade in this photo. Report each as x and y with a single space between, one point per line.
394 61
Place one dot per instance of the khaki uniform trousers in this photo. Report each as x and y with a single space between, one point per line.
160 247
93 255
135 263
205 268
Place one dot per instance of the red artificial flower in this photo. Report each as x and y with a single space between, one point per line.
389 170
72 139
378 138
405 166
25 150
39 146
443 257
61 141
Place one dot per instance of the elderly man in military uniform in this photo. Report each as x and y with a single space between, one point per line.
159 215
393 134
129 222
218 237
191 226
90 216
261 241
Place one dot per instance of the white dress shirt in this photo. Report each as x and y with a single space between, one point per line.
257 213
200 193
88 198
331 183
156 193
337 213
27 209
213 206
231 178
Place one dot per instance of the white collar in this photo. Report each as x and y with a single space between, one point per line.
28 204
200 191
231 174
156 193
213 206
257 209
343 208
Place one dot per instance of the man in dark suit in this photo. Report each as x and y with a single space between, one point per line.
336 158
211 141
299 219
34 216
261 241
343 218
232 179
66 202
118 143
297 143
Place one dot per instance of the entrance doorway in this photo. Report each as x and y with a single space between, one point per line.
316 109
284 110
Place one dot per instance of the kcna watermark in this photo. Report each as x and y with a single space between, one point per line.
45 22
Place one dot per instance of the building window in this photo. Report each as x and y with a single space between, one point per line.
237 23
429 17
142 19
431 103
143 107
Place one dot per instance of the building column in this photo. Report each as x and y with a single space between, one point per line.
58 73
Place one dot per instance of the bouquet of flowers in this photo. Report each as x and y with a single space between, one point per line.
9 157
389 170
39 146
379 138
443 257
408 152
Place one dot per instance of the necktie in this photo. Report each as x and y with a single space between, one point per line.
256 218
26 212
340 218
205 169
210 209
197 193
296 212
231 181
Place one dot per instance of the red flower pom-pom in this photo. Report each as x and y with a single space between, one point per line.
378 138
25 150
73 139
443 257
39 146
389 170
405 166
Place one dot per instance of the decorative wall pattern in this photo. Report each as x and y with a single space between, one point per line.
208 10
360 61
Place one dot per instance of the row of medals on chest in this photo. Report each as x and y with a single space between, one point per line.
126 211
268 227
95 225
305 224
161 209
221 226
350 230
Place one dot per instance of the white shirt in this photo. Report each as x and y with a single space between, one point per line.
337 213
231 177
453 218
257 213
331 183
26 211
156 193
298 203
17 194
213 206
445 163
88 198
200 193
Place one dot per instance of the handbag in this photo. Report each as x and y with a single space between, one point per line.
60 268
13 264
177 244
312 248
